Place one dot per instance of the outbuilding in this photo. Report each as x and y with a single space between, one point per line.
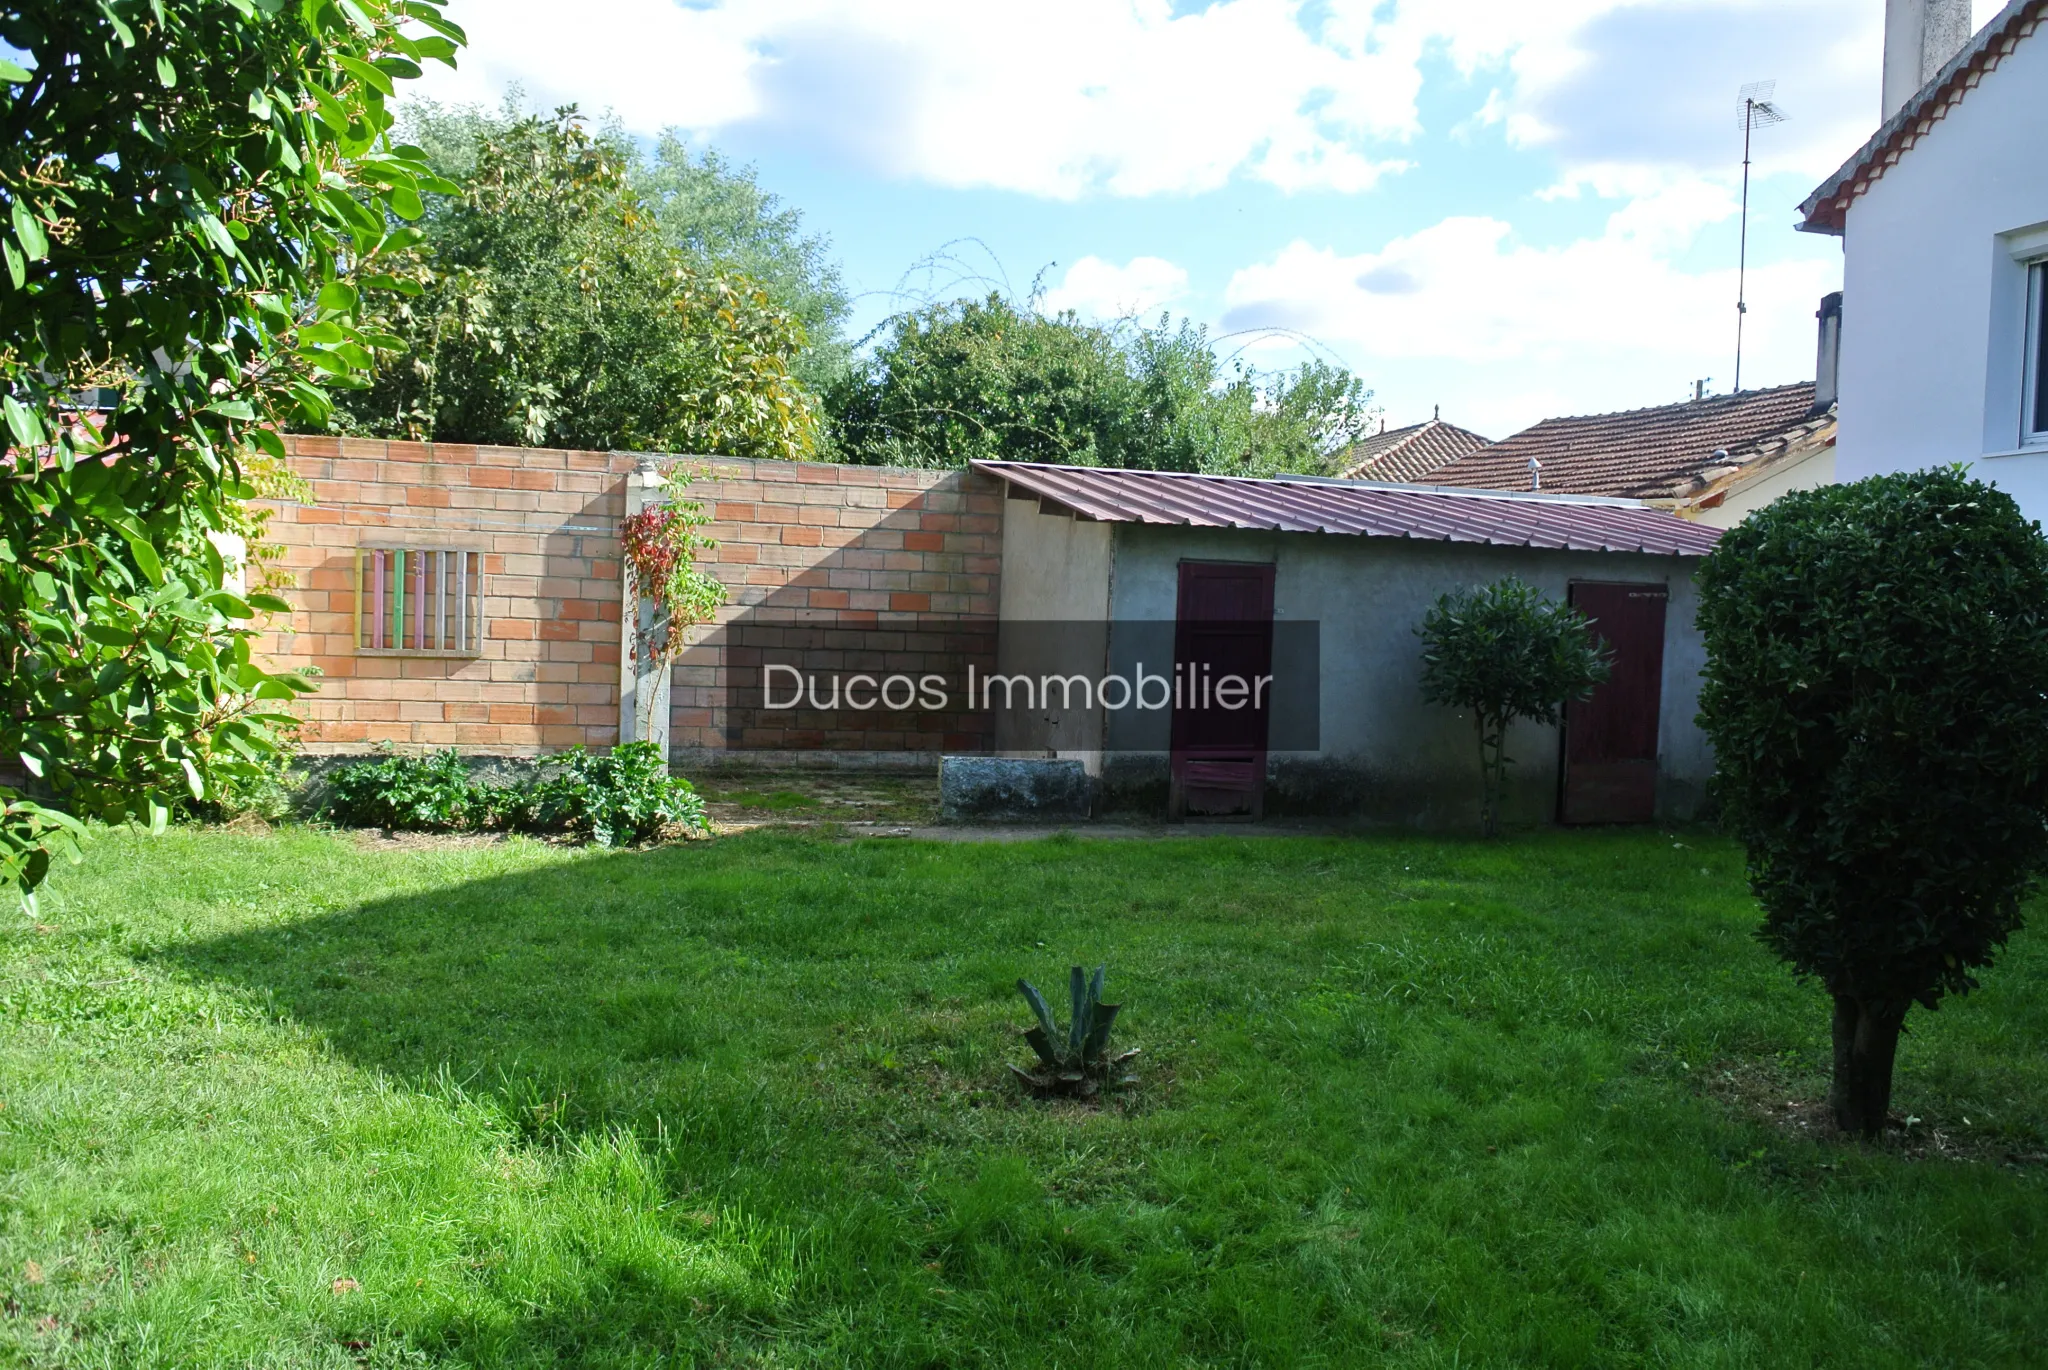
1330 580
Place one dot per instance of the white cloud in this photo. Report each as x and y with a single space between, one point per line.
1509 333
1101 290
1050 97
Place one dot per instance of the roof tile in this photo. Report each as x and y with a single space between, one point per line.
1641 453
1406 454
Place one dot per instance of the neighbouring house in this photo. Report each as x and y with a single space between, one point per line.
473 597
1402 455
1336 576
1712 459
1943 217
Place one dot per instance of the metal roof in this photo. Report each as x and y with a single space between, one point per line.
1310 504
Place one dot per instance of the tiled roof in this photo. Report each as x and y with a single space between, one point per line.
1406 454
1825 210
1309 504
1639 454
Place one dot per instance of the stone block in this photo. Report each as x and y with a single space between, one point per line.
1008 789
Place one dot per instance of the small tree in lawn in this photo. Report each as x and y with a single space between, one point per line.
1877 695
1507 651
661 544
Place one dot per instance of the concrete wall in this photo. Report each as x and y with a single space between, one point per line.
1056 569
1933 301
1386 755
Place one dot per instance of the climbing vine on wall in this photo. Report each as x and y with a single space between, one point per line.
661 545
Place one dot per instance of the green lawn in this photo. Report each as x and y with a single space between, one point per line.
287 1100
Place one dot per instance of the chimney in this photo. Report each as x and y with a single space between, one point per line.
1827 361
1919 38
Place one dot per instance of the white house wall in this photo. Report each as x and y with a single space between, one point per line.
1387 755
1933 301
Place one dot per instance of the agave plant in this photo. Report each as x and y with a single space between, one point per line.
1076 1062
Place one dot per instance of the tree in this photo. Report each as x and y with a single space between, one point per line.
988 379
1506 651
552 309
198 194
717 215
983 380
1877 695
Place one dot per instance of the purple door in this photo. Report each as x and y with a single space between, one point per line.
1610 740
1223 662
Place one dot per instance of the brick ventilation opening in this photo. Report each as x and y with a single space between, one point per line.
419 601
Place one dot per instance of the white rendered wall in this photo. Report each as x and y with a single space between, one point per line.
1933 314
1815 469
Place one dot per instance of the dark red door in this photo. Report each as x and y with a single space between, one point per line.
1610 740
1223 663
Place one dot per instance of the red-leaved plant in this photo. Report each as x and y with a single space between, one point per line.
661 544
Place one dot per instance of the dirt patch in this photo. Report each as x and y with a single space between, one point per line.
393 839
1795 1103
812 799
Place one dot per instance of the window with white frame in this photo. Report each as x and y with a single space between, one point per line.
2034 394
419 601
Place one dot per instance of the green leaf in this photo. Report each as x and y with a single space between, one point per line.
26 426
28 231
32 764
365 73
337 297
14 72
193 780
166 74
17 268
107 635
259 104
146 558
269 604
405 203
218 232
159 817
354 14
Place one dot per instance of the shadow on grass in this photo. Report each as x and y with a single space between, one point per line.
1482 1041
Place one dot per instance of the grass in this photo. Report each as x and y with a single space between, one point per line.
284 1100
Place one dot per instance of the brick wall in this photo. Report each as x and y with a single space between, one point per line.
836 566
546 524
838 570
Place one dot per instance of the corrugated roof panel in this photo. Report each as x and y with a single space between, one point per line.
1357 508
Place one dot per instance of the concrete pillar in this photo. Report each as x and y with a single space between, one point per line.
643 684
1920 36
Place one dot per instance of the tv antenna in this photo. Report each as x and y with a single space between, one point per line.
1757 112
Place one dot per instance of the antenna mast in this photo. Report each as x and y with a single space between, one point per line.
1757 112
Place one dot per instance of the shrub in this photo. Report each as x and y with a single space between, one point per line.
1507 651
416 793
1877 696
626 795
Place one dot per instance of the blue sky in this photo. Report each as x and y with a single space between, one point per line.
1509 209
